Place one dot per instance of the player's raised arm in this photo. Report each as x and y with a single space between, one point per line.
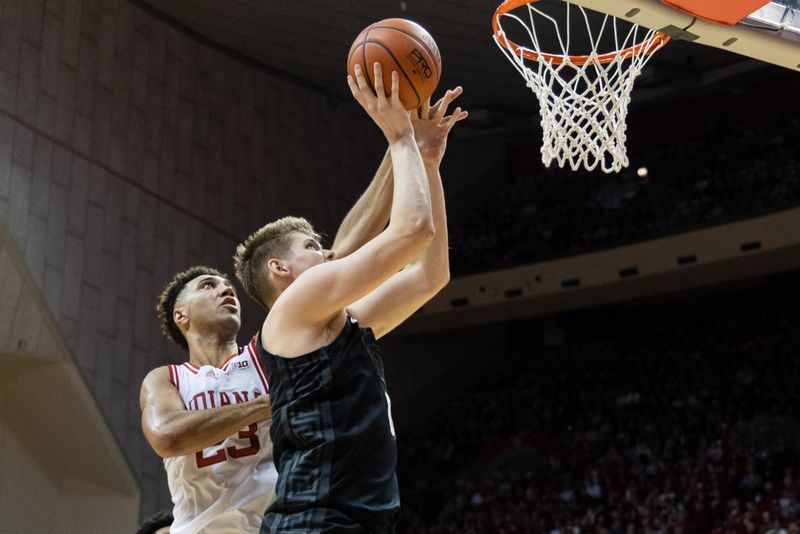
400 296
309 292
326 289
369 215
172 430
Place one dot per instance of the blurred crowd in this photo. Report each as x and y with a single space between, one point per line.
682 426
737 171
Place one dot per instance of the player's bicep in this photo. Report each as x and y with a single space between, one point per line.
158 398
326 289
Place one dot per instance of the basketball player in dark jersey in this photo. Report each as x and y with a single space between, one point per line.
165 419
334 441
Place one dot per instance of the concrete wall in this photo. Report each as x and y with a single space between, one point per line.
32 501
57 452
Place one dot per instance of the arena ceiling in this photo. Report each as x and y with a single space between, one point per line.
308 40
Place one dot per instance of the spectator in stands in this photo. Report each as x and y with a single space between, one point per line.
686 429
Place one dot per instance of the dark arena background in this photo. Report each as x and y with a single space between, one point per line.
615 353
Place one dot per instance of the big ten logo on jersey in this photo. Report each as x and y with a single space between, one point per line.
241 364
219 454
421 67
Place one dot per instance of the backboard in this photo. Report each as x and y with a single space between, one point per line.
771 33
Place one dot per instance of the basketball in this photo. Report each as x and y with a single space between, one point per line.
403 46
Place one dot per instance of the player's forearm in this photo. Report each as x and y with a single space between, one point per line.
186 431
434 261
411 205
368 217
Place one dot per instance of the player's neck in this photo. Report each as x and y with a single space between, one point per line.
211 349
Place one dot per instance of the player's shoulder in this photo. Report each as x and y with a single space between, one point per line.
154 384
159 375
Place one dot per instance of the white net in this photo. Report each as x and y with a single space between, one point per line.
583 100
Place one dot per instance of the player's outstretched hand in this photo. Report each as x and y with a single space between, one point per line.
432 125
387 111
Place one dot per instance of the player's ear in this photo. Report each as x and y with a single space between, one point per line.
179 316
278 268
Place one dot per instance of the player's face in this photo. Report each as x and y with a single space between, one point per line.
307 252
212 300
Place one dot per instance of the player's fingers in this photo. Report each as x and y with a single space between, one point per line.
436 107
351 83
425 109
355 89
378 73
446 100
395 86
457 115
454 93
361 80
442 105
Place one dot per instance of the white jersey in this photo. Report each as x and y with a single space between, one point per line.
227 487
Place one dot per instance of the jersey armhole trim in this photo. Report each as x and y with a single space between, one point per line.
173 376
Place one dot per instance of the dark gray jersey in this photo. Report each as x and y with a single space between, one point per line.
333 438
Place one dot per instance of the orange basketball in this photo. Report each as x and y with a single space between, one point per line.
403 46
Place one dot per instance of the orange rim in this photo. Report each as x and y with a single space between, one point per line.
647 47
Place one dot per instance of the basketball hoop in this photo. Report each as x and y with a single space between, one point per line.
583 99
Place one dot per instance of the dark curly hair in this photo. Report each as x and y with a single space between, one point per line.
166 302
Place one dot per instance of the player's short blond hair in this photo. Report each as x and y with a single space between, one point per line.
268 242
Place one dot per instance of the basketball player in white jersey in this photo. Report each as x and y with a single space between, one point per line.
209 417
